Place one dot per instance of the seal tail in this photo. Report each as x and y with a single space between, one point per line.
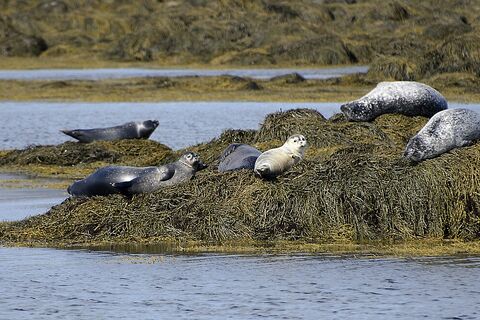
70 133
263 171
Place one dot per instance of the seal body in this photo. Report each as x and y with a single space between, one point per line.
133 180
238 156
129 130
445 131
404 97
275 162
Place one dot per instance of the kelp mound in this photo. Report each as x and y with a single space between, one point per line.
352 185
90 155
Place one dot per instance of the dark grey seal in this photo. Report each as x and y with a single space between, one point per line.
404 97
132 180
445 131
238 156
129 130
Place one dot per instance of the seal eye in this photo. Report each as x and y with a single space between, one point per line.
295 140
189 156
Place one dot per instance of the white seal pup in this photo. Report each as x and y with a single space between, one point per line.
129 130
132 180
238 156
274 162
445 131
404 97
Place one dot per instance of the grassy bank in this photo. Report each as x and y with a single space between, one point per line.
352 187
290 88
401 39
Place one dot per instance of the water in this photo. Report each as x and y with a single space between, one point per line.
63 284
85 284
119 73
182 124
17 203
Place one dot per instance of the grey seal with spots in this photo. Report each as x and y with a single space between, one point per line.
133 180
129 130
238 156
275 162
445 131
404 97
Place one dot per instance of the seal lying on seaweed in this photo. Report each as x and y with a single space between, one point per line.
129 130
404 97
445 131
132 180
275 162
238 156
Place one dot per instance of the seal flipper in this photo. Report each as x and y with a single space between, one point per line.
123 187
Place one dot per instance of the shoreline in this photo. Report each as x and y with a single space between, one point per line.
424 247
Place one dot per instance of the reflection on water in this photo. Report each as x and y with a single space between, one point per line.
119 73
59 284
181 123
17 203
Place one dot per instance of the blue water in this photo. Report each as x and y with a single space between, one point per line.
119 73
18 202
61 284
182 124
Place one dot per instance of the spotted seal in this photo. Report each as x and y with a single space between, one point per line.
132 180
238 156
274 162
445 131
129 130
404 97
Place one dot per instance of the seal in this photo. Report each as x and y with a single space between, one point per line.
238 156
129 130
274 162
133 180
445 131
404 97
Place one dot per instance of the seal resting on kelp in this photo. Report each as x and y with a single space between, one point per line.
275 162
133 180
238 156
129 130
445 131
403 97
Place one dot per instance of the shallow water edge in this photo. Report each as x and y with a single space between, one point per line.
412 248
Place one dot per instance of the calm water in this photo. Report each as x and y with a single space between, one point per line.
99 74
181 123
63 284
83 284
18 203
